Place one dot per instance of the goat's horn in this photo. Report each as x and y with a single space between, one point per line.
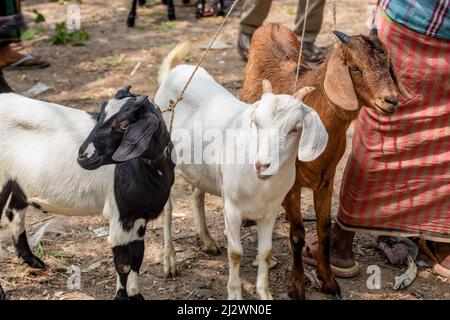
342 36
303 92
374 31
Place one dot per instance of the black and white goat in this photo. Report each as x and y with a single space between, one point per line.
128 178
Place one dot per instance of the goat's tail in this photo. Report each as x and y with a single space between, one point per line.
174 57
4 87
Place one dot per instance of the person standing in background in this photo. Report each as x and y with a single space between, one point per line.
11 22
256 11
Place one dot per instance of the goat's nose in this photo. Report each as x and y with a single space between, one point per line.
261 166
82 154
393 102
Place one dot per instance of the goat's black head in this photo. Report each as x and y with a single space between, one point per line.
128 126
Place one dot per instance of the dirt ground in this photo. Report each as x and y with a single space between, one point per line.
83 77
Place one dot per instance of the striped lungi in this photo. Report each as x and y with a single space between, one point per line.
397 178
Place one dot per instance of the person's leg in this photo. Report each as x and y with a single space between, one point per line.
342 260
253 15
314 19
341 253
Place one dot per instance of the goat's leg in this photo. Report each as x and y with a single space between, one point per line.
186 1
322 206
297 240
16 214
221 11
233 221
132 15
170 266
265 230
209 245
128 253
170 10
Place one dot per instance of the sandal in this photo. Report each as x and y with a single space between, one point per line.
28 62
311 53
428 250
310 252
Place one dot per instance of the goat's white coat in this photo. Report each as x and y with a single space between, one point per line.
40 154
244 194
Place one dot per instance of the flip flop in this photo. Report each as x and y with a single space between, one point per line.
22 64
437 268
311 241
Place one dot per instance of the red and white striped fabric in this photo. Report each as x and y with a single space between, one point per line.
397 178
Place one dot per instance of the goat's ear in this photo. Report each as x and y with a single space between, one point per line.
303 92
402 89
338 84
314 137
136 139
267 86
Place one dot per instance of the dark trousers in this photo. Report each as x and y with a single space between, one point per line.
11 21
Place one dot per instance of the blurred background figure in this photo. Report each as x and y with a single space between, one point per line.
256 11
11 49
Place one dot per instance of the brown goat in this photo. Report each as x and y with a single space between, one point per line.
357 73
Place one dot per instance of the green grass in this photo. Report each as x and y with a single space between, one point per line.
30 33
165 26
63 36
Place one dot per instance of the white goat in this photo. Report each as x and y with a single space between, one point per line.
275 120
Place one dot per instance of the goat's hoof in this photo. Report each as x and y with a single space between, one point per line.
137 297
235 296
210 247
170 266
170 272
296 293
172 16
198 15
332 288
34 261
130 22
121 295
2 294
264 294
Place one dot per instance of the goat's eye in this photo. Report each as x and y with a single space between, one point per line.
353 68
123 125
294 130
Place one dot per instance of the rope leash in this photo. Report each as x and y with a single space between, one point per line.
172 104
301 48
333 6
